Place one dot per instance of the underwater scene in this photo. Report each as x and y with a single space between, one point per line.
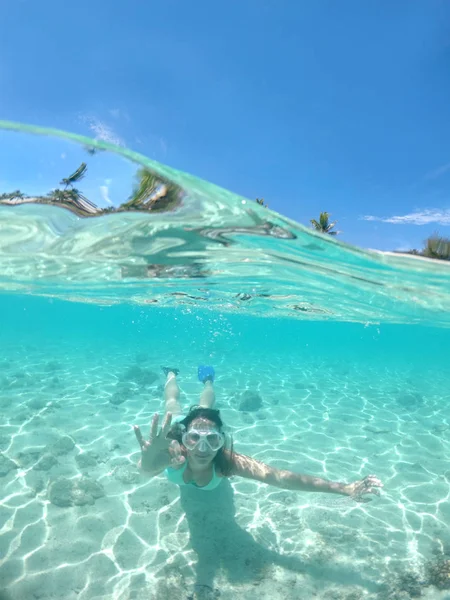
129 288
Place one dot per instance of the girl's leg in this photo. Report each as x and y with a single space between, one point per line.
172 395
208 397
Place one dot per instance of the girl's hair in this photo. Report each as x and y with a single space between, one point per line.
224 456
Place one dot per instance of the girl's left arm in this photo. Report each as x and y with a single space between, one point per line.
250 468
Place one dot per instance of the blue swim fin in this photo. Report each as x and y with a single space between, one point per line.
206 373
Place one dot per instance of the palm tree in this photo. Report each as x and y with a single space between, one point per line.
261 202
57 195
147 185
324 225
153 192
167 197
437 247
74 198
76 176
73 195
61 196
12 195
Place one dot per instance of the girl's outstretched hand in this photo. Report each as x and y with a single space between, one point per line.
358 490
158 451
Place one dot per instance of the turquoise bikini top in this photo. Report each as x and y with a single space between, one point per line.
176 476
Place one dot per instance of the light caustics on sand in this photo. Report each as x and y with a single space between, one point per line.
142 534
206 247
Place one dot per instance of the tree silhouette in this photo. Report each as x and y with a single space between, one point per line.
323 225
62 196
437 247
76 176
152 192
57 195
11 195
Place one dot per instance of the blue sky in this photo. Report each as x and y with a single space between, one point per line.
319 105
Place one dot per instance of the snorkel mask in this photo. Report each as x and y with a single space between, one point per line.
203 440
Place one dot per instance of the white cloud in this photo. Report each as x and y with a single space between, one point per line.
438 172
115 112
102 131
63 155
104 191
423 217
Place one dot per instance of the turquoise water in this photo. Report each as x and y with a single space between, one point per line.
346 349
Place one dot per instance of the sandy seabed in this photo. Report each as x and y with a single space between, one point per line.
78 521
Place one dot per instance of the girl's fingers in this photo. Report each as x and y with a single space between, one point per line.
373 480
138 435
166 424
179 460
175 453
154 427
174 449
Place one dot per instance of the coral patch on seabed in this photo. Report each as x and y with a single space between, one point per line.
140 375
439 573
63 445
66 492
250 401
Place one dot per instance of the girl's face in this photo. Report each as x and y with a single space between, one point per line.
203 440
